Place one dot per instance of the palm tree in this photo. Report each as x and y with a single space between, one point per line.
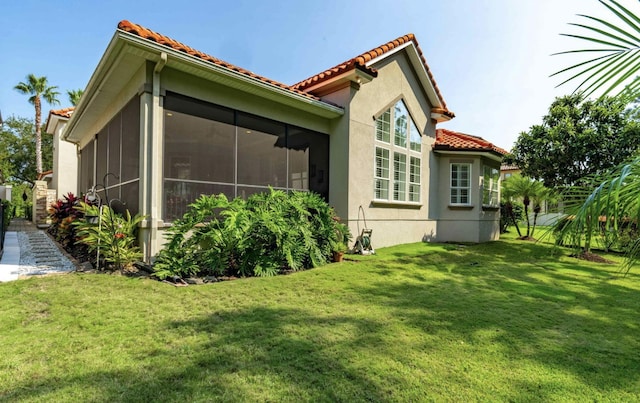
614 198
74 96
38 88
529 190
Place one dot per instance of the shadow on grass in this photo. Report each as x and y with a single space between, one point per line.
561 316
298 356
563 313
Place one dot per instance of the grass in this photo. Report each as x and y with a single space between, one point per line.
504 321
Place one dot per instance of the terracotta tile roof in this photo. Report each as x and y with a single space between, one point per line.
65 113
450 140
360 61
148 34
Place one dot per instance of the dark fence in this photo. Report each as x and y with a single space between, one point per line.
2 228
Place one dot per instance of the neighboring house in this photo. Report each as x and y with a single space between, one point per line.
507 171
63 178
171 123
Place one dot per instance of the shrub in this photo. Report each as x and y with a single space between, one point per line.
63 213
113 236
262 236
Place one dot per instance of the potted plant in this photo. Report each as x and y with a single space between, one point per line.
342 237
338 251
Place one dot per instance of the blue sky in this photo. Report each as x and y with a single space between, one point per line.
491 58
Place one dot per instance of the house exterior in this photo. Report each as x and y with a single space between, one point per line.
161 123
507 171
65 154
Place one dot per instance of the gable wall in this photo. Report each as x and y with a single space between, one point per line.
392 223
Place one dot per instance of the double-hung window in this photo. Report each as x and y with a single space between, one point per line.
490 186
398 156
460 184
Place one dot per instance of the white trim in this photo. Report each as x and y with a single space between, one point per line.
468 188
470 153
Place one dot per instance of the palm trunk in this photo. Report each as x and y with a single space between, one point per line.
38 106
536 211
513 218
526 214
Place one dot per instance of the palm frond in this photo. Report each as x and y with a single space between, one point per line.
619 40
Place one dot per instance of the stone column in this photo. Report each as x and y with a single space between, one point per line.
42 199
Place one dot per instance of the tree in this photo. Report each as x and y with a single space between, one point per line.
74 96
529 190
577 138
17 147
38 88
615 196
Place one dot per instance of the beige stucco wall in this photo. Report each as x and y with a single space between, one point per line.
475 223
352 157
65 164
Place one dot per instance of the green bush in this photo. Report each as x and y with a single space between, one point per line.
262 236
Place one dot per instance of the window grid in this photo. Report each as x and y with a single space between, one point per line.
397 120
460 183
381 190
414 179
490 186
399 176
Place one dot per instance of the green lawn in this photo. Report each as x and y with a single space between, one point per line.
505 321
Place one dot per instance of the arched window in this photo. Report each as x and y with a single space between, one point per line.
398 156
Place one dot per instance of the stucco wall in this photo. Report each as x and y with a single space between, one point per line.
65 163
473 223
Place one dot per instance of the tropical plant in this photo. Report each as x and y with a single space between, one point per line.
606 210
38 88
511 213
112 236
63 213
266 234
614 197
615 61
530 191
74 96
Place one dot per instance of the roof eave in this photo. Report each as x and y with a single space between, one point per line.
491 154
176 57
122 39
358 74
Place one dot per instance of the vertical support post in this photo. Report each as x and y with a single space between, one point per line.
151 161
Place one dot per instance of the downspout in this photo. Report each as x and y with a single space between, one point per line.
154 165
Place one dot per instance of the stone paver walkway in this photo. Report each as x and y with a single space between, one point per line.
30 251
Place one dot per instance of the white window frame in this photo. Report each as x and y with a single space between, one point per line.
457 187
399 189
490 187
381 182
